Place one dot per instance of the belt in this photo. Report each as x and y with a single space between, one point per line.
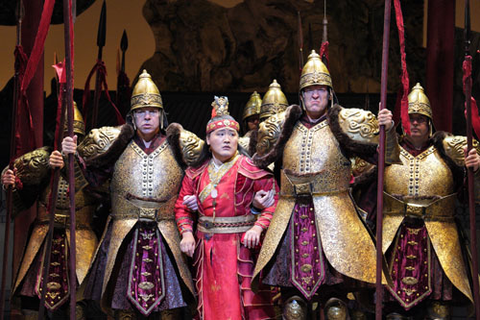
237 224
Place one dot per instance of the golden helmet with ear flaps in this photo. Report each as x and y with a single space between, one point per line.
315 73
253 106
145 93
274 101
418 102
78 123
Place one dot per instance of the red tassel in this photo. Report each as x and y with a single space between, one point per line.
405 79
214 112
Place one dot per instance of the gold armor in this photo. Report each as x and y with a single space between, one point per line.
322 171
32 169
253 106
145 187
315 73
145 93
423 187
274 101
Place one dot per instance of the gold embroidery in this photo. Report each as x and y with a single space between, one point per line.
413 231
411 257
146 285
410 281
412 243
306 268
409 292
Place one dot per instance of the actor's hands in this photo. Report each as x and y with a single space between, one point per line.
191 202
385 118
8 178
263 199
472 159
187 245
69 145
252 237
56 160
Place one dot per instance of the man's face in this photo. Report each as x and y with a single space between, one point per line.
419 126
147 121
252 122
316 100
223 142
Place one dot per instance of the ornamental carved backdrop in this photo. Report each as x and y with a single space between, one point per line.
202 46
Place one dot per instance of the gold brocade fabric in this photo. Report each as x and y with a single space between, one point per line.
424 188
215 176
313 163
146 187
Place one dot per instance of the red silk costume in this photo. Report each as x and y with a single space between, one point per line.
224 266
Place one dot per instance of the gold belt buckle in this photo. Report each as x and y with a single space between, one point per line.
147 213
61 219
414 210
302 189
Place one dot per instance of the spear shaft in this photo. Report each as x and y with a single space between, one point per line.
68 32
9 200
470 173
101 35
381 161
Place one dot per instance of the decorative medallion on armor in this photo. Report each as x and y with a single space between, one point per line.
191 146
146 283
418 102
315 73
269 132
359 125
145 94
274 101
98 141
253 106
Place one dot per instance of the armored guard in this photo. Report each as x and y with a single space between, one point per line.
138 269
250 118
316 245
420 235
32 183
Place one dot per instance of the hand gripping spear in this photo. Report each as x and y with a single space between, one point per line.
381 161
101 35
19 12
67 102
470 173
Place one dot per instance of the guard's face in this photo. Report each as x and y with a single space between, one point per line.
419 126
223 142
147 121
252 122
315 99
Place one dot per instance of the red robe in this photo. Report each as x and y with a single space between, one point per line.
224 266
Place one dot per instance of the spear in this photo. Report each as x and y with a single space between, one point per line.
123 94
101 35
381 162
68 33
19 12
300 42
470 173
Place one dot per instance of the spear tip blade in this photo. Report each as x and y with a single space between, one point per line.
19 11
102 26
124 41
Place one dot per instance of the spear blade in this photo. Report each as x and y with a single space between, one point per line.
102 26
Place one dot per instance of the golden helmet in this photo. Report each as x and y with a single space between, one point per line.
78 123
253 106
274 101
315 73
145 93
418 102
